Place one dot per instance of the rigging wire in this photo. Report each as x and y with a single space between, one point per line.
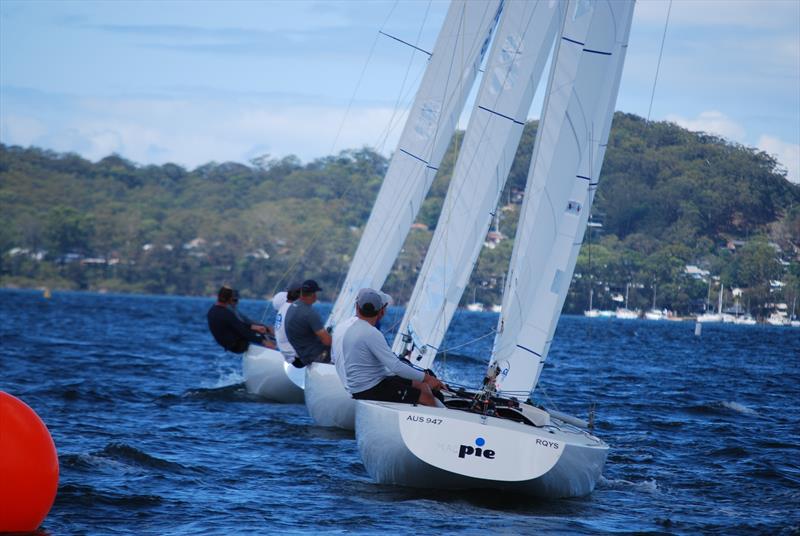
658 65
360 80
315 236
476 339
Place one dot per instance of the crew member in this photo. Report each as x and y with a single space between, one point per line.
339 331
372 371
305 330
258 327
281 302
230 332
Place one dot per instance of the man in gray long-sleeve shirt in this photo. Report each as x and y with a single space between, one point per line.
372 371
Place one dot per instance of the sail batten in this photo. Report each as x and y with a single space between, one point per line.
522 44
448 79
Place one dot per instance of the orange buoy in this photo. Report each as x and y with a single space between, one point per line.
28 467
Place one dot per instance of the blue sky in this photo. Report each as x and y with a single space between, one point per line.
194 82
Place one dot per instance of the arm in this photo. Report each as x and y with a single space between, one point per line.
377 345
324 336
242 329
315 322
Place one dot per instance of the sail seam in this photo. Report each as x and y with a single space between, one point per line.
597 52
584 178
529 350
501 115
414 156
572 41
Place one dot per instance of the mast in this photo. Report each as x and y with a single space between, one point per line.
448 79
563 177
654 294
519 53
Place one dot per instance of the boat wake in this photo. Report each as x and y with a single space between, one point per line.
227 374
723 408
645 486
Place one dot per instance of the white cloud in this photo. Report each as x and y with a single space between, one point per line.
788 154
21 130
195 131
712 122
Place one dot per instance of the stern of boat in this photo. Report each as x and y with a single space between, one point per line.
328 403
267 374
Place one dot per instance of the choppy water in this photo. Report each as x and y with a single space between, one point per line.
157 435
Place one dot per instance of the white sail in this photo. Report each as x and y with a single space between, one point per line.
564 172
448 79
521 46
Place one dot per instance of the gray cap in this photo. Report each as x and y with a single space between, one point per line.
371 301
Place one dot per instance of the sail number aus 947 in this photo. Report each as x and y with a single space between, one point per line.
424 420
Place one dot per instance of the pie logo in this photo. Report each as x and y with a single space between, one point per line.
478 451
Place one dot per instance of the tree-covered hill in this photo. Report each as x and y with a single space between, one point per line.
668 198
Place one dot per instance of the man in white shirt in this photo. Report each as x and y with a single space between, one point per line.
281 302
372 371
338 338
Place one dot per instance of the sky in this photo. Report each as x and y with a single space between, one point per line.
191 82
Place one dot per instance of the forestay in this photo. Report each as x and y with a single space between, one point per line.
521 46
447 81
564 172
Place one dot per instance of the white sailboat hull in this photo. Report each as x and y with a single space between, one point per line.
267 374
327 401
627 314
442 448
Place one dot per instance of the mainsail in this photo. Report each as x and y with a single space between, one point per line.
448 79
564 172
522 44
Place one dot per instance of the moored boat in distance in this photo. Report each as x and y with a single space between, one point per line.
626 314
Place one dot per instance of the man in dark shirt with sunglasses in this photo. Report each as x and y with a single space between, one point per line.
228 330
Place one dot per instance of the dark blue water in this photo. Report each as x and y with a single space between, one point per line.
157 435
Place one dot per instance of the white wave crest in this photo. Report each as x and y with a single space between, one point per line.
646 486
739 408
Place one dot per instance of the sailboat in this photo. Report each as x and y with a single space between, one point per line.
654 313
709 317
624 313
449 77
496 437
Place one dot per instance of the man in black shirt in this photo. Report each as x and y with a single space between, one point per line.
228 330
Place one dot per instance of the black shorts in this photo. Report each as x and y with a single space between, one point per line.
391 389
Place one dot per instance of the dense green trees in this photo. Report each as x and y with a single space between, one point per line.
668 197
